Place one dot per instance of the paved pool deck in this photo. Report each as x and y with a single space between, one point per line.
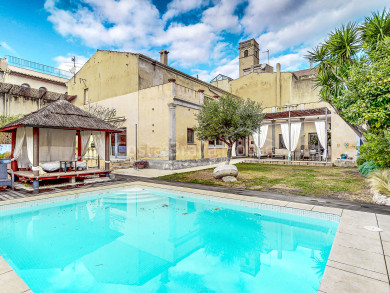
359 260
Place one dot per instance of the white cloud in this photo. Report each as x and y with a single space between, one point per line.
229 69
298 24
109 22
286 27
177 7
7 47
66 63
221 16
189 44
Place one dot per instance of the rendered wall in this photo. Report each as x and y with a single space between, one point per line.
106 74
126 106
35 83
260 87
153 128
15 105
151 75
304 91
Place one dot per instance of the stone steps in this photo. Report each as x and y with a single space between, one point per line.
121 164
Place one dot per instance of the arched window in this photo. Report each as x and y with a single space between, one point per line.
246 53
25 85
42 89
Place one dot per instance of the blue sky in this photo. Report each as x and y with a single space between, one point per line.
202 36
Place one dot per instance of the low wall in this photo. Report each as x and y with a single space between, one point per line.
181 164
345 163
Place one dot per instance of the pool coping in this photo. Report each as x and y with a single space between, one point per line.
359 260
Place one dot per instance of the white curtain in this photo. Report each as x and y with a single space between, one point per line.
30 144
85 138
234 150
63 144
19 139
262 138
44 144
321 133
54 145
295 131
100 144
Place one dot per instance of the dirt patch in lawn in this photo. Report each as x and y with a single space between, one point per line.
325 182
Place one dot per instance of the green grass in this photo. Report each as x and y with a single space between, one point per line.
331 182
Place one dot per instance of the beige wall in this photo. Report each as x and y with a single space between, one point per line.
153 132
15 105
37 82
222 84
304 91
151 75
126 106
106 74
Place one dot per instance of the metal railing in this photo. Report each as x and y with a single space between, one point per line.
22 63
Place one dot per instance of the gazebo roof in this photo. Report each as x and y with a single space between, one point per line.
62 114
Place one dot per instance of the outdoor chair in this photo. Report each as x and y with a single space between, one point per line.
4 180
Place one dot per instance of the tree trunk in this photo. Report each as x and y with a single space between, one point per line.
229 155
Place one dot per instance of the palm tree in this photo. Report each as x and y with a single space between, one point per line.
375 28
344 46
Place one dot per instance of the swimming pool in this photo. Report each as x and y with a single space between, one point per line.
144 239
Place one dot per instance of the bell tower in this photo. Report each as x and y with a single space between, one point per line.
248 54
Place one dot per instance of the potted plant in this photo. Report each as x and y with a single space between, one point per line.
140 164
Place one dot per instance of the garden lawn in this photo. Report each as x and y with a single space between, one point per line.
327 182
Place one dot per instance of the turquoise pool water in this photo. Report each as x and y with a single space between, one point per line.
138 239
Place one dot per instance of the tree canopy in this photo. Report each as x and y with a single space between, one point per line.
228 119
352 73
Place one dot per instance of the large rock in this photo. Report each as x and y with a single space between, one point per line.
225 170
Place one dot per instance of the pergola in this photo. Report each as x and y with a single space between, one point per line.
56 117
295 116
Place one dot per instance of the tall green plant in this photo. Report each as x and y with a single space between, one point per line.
339 59
228 119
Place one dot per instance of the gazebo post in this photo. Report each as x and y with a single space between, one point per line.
14 164
35 166
107 153
78 145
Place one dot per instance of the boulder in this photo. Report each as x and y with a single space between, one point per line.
225 170
229 179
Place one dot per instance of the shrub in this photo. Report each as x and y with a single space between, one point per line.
380 180
376 149
6 155
367 167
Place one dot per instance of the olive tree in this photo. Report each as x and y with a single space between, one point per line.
228 119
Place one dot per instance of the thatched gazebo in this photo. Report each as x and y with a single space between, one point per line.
49 136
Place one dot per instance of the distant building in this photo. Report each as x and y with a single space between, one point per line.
26 86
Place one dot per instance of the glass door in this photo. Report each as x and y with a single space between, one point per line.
119 145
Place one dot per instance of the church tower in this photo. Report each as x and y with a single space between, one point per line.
248 54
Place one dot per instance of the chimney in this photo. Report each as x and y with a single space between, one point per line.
311 63
3 64
164 56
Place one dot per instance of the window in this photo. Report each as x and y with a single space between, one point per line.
216 143
26 85
42 89
190 135
281 142
85 96
246 53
